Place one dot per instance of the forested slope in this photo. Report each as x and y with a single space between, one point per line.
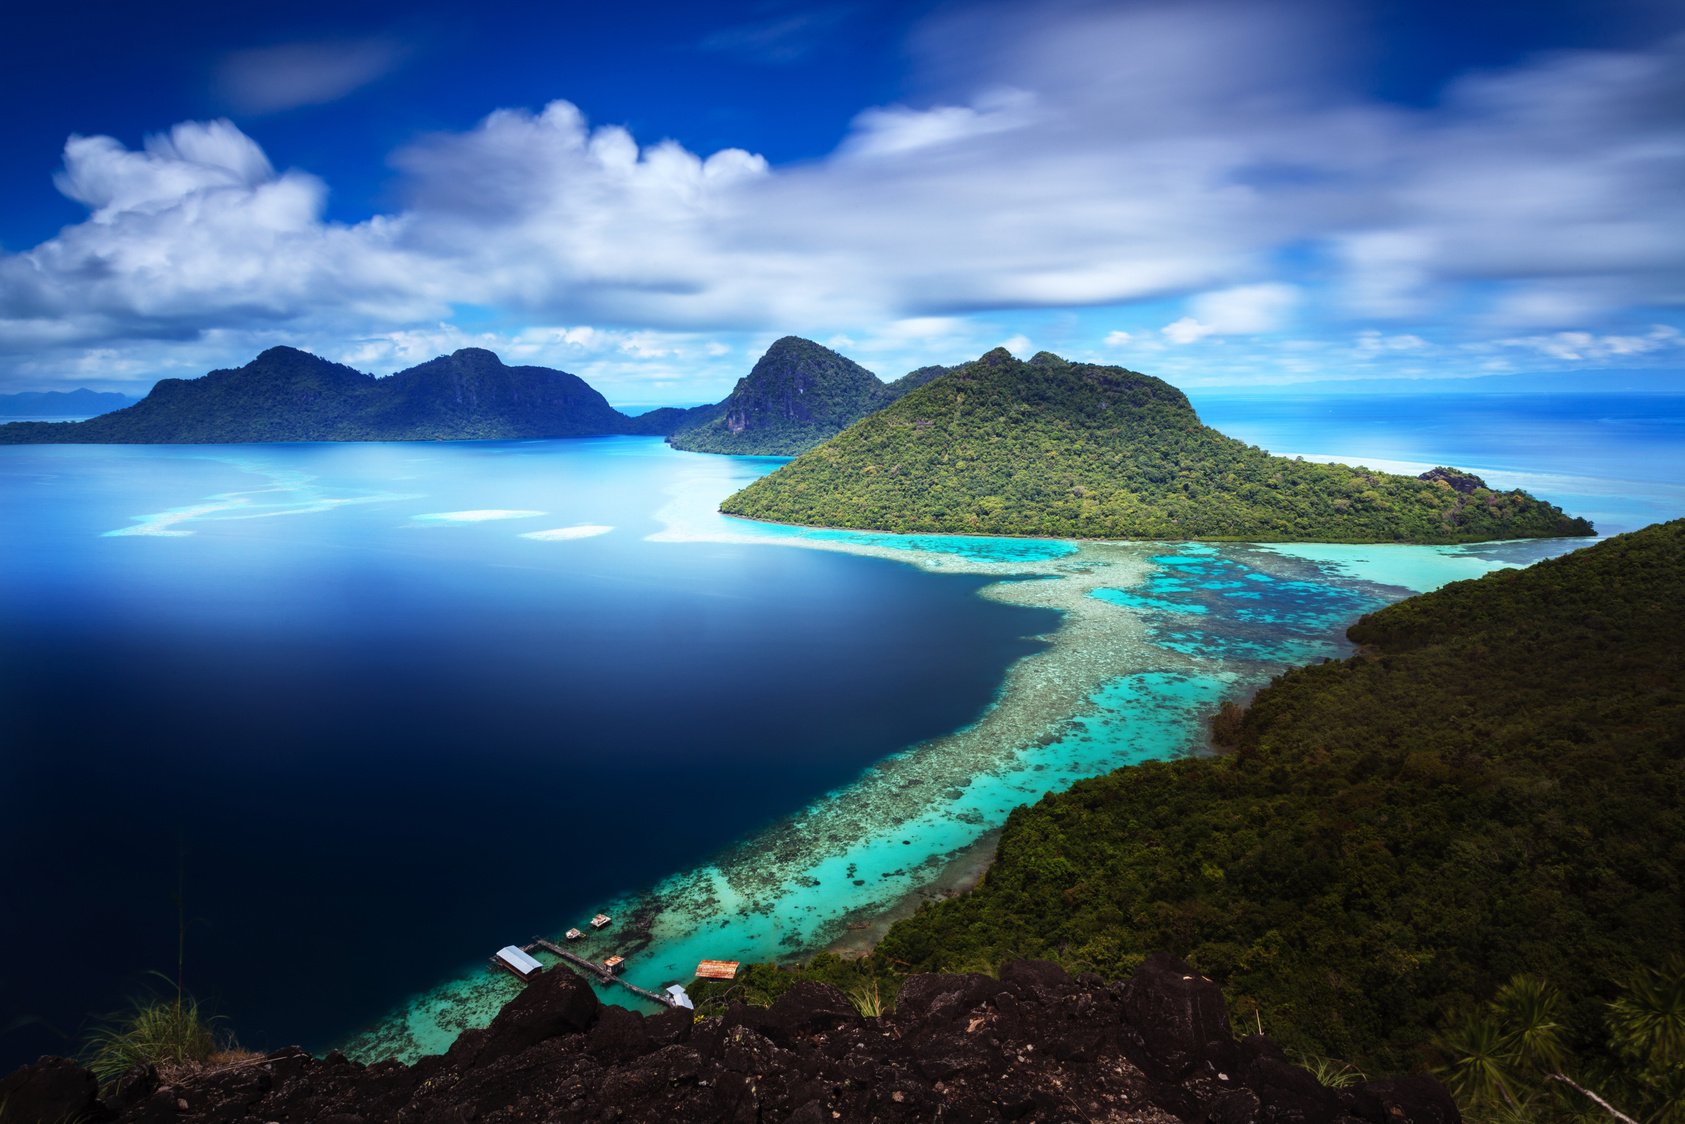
1495 785
1071 450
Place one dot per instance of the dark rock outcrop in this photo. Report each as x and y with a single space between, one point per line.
1033 1045
51 1089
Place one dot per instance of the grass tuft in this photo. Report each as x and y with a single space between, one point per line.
170 1034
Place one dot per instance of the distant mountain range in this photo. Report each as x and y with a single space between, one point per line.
798 396
997 446
81 403
290 395
1073 450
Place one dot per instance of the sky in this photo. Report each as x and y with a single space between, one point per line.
1251 195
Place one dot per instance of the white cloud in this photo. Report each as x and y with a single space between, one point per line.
1019 345
1244 310
1371 342
289 75
191 159
896 130
1117 338
1063 155
1186 330
1582 346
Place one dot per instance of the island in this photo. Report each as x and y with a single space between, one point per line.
1053 449
799 395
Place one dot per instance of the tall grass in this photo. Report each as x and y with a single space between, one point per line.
171 1034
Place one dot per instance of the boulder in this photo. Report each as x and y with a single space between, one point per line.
556 1002
936 997
51 1089
1289 1095
809 1008
1180 1015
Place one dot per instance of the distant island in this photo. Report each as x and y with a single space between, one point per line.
80 403
1073 450
798 396
290 395
995 447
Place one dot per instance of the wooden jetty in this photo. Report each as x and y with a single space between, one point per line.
600 971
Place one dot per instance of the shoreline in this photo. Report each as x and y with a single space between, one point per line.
1122 678
961 875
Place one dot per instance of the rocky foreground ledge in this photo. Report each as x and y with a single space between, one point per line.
1033 1045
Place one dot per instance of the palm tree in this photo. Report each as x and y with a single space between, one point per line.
1479 1058
1647 1027
1647 1023
1528 1009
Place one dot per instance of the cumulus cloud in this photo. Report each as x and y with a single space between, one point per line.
1590 346
1059 155
289 75
1243 310
197 232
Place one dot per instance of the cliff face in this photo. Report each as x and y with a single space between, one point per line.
1033 1045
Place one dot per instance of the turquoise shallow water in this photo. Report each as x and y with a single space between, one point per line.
826 726
1152 637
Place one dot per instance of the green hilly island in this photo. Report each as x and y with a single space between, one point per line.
1474 826
290 395
1073 450
799 394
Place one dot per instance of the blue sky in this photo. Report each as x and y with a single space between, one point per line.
1254 194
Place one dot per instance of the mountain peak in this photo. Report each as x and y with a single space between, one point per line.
799 394
477 355
283 351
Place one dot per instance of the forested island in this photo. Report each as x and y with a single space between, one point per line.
799 395
290 395
1461 849
998 446
61 403
1072 450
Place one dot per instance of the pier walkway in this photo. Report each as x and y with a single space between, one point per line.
598 970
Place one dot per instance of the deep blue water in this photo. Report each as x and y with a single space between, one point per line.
380 742
378 731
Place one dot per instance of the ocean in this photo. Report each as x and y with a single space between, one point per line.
351 717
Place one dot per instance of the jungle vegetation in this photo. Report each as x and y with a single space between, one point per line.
1491 790
1071 450
798 395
